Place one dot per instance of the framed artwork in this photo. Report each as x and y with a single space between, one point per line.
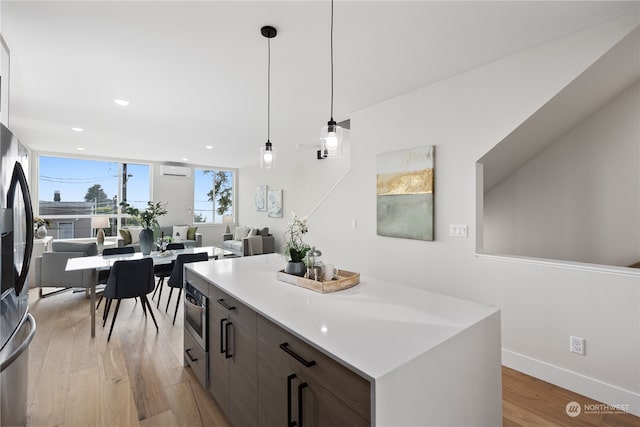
274 203
404 193
261 198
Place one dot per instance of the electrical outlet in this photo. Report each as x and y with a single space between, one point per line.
576 345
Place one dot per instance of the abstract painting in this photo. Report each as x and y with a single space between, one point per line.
405 193
274 203
261 198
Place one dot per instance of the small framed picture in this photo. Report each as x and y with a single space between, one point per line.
261 198
274 203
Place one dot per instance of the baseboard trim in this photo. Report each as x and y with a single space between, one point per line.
578 383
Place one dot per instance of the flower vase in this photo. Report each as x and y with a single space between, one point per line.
146 241
41 232
295 268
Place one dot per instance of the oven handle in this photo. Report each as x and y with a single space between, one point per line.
193 306
190 356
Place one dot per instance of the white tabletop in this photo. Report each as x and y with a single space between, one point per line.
100 262
373 328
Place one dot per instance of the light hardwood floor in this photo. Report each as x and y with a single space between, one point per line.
137 379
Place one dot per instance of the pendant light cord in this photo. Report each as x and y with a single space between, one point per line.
269 90
331 60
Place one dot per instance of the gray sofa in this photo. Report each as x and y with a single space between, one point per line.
50 268
245 242
168 232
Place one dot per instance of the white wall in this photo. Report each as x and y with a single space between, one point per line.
579 200
465 116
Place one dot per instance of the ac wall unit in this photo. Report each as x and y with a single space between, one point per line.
168 170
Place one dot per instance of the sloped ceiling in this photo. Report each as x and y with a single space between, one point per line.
610 75
196 72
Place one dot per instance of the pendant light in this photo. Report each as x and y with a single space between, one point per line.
331 135
267 153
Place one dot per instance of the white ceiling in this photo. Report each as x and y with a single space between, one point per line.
196 72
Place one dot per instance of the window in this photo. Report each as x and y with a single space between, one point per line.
65 230
71 191
212 195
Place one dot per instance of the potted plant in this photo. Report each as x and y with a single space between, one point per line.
148 218
295 248
39 225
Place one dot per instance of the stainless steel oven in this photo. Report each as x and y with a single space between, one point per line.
195 315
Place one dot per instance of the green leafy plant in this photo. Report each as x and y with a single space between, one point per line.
295 248
39 222
148 218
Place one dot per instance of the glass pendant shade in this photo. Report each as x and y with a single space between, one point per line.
267 156
331 138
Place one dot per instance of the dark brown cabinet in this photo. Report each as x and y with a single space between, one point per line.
232 358
262 375
300 386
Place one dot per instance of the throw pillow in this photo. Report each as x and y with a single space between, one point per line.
181 231
264 231
241 233
191 233
135 234
126 236
253 232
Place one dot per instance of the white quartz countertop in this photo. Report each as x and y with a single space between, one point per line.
372 328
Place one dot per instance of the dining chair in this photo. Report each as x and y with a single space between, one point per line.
129 279
176 278
163 271
103 275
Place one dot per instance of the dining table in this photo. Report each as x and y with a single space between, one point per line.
104 262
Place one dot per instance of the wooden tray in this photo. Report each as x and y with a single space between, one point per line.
345 280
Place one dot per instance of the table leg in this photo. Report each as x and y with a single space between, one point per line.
93 311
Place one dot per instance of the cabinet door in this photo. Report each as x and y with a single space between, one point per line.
218 363
321 408
273 396
243 376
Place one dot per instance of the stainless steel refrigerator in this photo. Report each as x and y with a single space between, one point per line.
17 325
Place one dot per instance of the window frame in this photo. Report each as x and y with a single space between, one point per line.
234 192
118 215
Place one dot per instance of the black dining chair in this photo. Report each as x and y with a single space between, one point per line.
175 280
163 271
103 275
129 279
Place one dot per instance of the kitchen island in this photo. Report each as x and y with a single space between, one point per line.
378 354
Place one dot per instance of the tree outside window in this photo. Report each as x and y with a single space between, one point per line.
213 195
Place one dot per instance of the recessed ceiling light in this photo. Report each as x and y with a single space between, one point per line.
209 147
80 148
184 159
121 102
77 129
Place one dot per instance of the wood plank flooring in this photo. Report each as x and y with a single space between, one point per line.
137 379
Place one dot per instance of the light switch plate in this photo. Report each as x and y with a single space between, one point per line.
458 230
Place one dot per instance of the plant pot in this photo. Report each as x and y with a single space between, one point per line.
295 268
41 232
146 241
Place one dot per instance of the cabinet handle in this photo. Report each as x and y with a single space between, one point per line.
226 341
222 349
223 303
189 354
300 417
307 364
290 422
